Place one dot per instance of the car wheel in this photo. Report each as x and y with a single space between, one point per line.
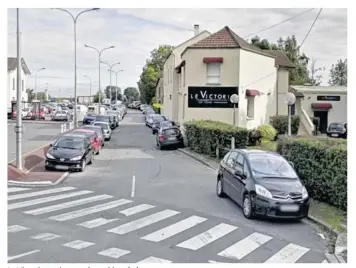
247 207
153 132
82 168
220 188
47 168
181 144
98 152
160 147
91 159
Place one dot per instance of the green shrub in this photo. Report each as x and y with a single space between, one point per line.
321 164
268 132
280 123
205 135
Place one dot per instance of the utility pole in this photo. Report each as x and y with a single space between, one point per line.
18 127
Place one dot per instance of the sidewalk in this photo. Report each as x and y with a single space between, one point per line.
329 218
34 173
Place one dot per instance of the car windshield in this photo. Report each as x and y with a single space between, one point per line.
70 143
102 118
271 166
104 126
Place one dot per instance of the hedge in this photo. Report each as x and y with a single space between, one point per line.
321 164
280 123
204 136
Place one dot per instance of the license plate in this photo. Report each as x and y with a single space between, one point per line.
61 167
334 135
289 208
172 138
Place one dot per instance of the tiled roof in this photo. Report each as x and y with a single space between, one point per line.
281 58
226 38
12 65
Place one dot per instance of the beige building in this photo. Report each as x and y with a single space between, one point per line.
222 64
327 103
159 90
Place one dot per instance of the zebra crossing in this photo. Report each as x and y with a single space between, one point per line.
133 218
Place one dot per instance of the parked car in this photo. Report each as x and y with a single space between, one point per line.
262 183
106 128
89 118
94 139
157 122
149 119
167 124
105 118
99 131
115 117
169 137
337 130
70 152
60 116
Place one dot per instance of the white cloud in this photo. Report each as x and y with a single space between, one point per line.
47 38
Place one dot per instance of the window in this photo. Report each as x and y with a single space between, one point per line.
13 83
232 159
213 73
22 86
171 74
168 75
250 107
239 162
183 73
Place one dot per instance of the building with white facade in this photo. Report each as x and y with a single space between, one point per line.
12 80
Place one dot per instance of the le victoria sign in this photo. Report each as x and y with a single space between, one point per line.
210 97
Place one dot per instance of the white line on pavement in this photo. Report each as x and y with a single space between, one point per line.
133 186
22 255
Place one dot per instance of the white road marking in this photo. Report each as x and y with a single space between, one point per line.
114 253
154 260
174 229
133 186
22 255
143 222
207 237
245 246
289 254
78 244
17 189
69 204
91 210
45 200
210 261
45 236
96 223
136 209
16 228
50 191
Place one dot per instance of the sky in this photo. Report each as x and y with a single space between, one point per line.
48 39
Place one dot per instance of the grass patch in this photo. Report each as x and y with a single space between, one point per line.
330 215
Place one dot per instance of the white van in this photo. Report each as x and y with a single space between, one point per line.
81 112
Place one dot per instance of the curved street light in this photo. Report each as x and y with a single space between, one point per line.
99 53
89 87
36 81
75 55
116 73
110 68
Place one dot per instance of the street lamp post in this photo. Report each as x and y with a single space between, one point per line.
110 69
116 73
18 127
75 56
36 81
234 99
99 52
89 88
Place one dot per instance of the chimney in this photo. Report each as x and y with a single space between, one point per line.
196 29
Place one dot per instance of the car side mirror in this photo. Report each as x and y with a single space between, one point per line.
238 173
51 145
291 163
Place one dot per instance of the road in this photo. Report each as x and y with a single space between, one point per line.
136 203
34 136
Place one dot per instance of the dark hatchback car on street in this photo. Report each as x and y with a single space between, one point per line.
169 137
70 152
157 122
106 118
263 184
337 130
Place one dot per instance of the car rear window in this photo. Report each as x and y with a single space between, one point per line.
171 131
337 126
104 126
102 118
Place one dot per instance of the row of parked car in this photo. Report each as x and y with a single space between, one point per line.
75 150
167 132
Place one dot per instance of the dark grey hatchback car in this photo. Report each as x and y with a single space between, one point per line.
263 184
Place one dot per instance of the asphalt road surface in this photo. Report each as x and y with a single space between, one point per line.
139 204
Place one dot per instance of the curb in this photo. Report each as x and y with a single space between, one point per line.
38 183
332 258
30 152
33 122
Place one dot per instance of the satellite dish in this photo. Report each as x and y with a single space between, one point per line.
289 98
234 98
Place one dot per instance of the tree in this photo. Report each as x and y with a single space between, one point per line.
96 97
30 94
152 71
132 94
41 96
300 74
338 73
114 90
314 75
